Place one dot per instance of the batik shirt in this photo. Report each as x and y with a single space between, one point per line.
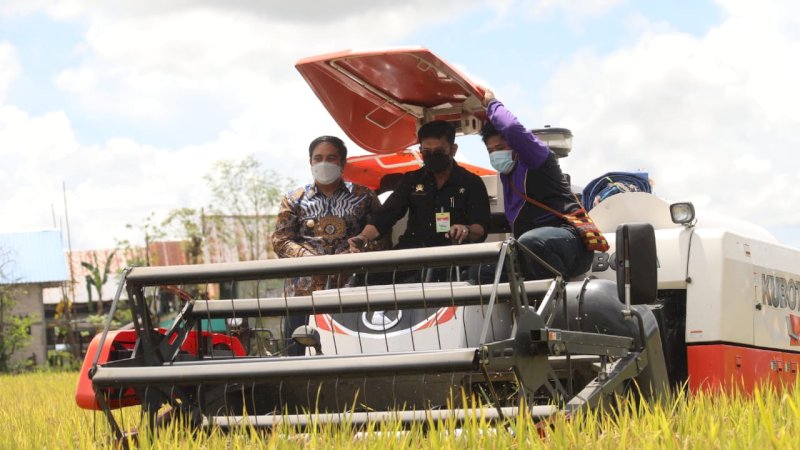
310 223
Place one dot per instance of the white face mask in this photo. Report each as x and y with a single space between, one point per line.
325 172
502 161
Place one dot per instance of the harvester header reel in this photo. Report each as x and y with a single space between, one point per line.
368 346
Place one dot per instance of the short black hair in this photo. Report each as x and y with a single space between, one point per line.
437 129
333 140
488 130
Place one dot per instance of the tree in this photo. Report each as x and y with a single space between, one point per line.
189 226
98 276
243 197
134 256
63 326
245 193
14 329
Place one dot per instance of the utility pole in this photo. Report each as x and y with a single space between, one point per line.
76 352
146 248
69 241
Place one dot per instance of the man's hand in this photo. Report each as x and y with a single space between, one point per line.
357 243
488 96
458 233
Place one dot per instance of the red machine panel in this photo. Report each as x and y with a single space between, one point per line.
727 367
380 98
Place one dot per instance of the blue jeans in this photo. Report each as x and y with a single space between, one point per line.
558 247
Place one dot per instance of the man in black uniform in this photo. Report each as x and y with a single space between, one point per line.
446 204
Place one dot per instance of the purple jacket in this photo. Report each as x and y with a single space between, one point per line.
531 154
536 173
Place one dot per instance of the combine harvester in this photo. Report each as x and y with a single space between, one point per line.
708 301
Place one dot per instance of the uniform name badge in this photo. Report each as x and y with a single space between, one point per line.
442 222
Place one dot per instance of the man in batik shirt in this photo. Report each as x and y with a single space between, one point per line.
319 218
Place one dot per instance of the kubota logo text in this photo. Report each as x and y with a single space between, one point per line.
779 292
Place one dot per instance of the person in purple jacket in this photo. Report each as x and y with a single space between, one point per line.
527 167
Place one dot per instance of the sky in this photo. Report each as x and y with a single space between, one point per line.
121 107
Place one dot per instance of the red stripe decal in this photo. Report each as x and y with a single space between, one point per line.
442 315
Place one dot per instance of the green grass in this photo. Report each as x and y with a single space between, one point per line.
38 411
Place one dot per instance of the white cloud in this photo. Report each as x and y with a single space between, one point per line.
302 12
15 8
121 181
712 118
153 63
156 59
575 7
9 68
752 164
31 149
572 12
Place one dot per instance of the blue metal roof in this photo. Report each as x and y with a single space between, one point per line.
32 257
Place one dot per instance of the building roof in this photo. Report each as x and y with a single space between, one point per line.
162 253
32 258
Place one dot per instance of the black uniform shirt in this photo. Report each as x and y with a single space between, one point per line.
463 195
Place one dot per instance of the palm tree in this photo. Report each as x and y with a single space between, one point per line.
98 276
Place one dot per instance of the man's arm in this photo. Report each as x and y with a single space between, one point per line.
466 233
284 239
363 241
478 214
478 211
367 239
382 220
529 149
394 208
375 241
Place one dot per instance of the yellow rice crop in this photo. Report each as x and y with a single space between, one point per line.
38 411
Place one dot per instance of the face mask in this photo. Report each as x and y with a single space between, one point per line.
325 172
502 161
437 162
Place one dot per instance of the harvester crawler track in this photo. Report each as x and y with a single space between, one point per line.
379 352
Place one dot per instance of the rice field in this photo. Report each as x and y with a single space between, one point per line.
37 411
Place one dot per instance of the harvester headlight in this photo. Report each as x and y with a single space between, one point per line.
682 213
307 336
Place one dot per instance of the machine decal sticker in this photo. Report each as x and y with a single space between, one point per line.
381 320
793 324
383 324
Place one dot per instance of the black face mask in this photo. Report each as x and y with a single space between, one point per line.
437 162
